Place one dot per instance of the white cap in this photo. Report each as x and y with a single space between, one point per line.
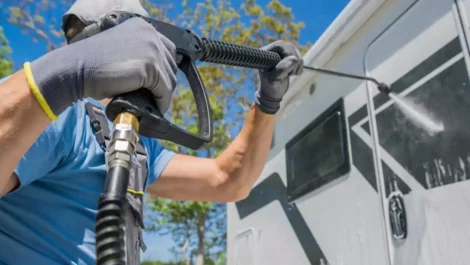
92 11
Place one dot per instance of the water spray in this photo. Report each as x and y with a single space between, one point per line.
411 110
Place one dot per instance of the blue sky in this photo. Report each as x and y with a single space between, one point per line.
316 14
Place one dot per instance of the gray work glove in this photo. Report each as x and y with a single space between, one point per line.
275 82
124 58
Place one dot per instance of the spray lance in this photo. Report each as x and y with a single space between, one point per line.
136 113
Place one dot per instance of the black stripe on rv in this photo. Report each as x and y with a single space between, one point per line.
273 189
363 159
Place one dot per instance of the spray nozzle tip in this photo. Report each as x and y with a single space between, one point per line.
384 88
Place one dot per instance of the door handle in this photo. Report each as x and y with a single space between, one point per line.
397 214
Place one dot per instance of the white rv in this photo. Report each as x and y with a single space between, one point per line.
352 177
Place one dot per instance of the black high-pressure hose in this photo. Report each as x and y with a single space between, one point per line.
110 219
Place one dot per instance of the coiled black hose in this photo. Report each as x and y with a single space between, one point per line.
221 52
110 240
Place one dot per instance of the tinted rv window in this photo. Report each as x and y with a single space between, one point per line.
318 154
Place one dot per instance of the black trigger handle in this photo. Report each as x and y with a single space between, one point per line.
152 124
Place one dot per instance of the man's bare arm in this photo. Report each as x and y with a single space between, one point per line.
22 120
231 176
226 178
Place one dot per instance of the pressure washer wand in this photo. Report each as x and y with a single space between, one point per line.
220 52
382 87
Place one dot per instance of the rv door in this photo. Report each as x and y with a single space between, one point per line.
422 141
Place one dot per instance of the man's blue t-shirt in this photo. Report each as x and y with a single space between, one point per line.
50 218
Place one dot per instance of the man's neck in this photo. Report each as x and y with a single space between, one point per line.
105 101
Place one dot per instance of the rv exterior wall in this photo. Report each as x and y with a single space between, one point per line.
419 47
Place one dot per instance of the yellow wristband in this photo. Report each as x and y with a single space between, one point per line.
135 192
37 94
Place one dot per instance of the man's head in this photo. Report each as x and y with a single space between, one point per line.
86 12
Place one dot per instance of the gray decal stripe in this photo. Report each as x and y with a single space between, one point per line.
357 116
366 127
272 189
450 50
363 159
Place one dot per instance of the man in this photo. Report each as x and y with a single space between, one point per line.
53 166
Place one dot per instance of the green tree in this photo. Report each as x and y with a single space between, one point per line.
198 228
37 19
6 65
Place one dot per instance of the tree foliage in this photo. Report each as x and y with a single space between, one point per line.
198 228
6 65
39 19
